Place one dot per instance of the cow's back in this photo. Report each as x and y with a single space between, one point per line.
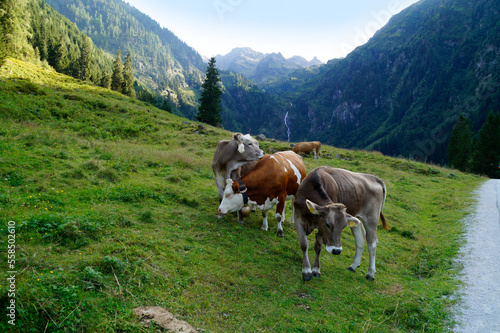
221 154
273 173
357 191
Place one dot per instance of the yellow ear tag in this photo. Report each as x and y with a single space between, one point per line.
311 209
352 224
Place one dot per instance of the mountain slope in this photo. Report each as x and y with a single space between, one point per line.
403 90
114 206
161 60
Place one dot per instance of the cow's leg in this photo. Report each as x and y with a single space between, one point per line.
315 155
359 234
240 217
306 266
264 220
317 249
280 215
371 242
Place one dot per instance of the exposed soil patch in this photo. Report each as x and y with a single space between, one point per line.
163 318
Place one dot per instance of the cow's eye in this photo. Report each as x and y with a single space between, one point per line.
250 144
228 195
328 226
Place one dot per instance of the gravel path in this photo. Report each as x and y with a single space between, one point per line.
479 310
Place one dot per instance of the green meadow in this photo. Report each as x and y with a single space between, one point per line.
115 206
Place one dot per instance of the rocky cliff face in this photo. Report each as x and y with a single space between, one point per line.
402 92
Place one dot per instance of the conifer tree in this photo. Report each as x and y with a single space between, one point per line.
460 147
486 157
61 57
14 20
128 77
3 47
117 76
106 81
85 59
210 110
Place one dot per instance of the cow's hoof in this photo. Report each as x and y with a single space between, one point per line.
351 269
316 274
369 277
280 233
306 276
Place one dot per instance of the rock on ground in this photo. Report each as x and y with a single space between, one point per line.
163 318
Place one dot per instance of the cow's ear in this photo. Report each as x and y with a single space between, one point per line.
236 187
237 136
353 221
313 208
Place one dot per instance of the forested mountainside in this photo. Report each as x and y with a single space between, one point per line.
161 60
59 42
402 92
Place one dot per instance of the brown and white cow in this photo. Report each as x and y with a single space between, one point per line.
229 155
275 179
329 199
307 148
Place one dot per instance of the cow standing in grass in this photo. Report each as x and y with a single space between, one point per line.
275 179
307 148
230 155
329 199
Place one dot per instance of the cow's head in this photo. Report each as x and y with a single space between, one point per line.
232 201
333 219
248 147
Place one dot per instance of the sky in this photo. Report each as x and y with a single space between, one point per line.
325 29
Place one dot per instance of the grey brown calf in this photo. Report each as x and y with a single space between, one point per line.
329 199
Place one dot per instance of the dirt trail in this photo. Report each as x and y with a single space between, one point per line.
479 310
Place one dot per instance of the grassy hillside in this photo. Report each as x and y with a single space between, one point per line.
114 205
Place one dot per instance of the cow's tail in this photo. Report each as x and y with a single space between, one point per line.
385 225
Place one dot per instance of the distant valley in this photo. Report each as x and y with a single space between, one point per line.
400 93
262 67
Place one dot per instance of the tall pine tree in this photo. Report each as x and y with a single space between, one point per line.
128 77
14 20
460 147
85 59
3 46
486 157
106 80
61 57
117 76
210 110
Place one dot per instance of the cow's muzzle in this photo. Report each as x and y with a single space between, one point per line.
334 250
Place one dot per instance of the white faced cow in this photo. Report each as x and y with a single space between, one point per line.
307 148
230 155
329 199
273 180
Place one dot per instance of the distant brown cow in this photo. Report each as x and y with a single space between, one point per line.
307 148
